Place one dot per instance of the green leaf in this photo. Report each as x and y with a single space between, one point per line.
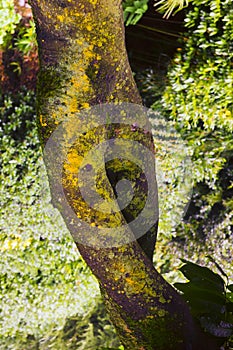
205 292
202 275
134 10
202 300
191 289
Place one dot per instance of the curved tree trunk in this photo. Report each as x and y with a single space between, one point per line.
83 63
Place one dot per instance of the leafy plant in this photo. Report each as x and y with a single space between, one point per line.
134 10
209 297
200 82
8 18
198 98
26 38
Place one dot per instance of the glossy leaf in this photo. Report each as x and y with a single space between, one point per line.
202 275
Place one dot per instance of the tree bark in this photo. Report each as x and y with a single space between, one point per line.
83 63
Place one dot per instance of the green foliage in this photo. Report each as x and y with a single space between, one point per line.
8 18
14 34
134 10
198 98
199 93
207 227
209 297
151 85
19 144
26 38
91 331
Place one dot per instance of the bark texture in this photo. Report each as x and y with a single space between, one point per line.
83 62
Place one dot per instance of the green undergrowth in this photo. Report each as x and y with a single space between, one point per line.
9 19
197 100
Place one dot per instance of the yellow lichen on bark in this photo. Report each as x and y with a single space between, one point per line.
93 54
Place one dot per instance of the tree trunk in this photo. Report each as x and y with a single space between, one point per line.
83 63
